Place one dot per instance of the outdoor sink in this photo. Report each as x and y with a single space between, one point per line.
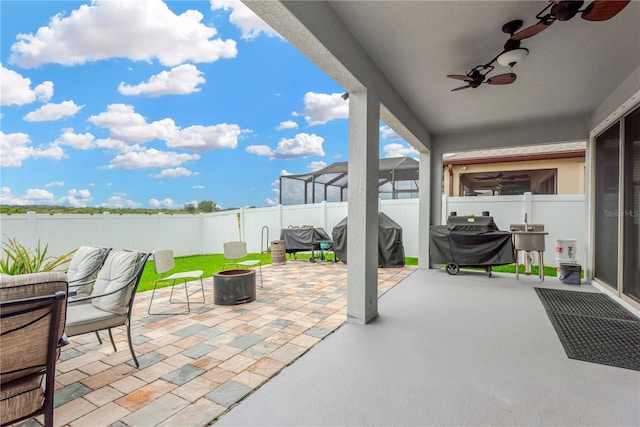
529 240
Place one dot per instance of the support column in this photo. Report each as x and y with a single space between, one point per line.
362 238
424 206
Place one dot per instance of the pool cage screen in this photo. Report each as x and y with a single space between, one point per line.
397 179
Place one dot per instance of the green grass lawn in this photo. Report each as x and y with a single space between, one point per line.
213 263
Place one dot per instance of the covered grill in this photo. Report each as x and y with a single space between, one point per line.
470 241
390 247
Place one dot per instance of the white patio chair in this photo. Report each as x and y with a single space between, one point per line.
235 251
163 261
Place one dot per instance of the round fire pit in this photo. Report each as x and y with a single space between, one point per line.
231 287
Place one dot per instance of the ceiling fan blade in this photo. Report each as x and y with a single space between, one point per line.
510 177
531 31
502 79
601 10
460 77
461 87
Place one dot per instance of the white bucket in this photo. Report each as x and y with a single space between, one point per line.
565 250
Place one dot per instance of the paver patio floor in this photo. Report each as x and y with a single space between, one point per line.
194 367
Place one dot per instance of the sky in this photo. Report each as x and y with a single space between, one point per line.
152 104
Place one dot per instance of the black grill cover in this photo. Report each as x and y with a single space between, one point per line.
302 239
470 241
390 248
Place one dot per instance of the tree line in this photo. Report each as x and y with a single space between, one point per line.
205 206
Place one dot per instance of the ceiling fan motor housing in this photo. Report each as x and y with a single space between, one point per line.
566 9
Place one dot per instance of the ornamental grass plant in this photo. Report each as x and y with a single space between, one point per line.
17 259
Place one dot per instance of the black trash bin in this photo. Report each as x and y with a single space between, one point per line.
570 273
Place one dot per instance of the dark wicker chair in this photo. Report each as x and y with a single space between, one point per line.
32 318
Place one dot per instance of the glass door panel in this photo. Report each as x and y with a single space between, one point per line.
631 214
607 165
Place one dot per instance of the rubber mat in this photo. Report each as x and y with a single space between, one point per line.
583 303
594 328
610 342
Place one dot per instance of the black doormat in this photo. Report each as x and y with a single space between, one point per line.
593 328
610 342
583 303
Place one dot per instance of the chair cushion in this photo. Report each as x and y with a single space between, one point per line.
118 270
83 262
84 318
21 397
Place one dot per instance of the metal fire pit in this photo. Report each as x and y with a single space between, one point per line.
231 287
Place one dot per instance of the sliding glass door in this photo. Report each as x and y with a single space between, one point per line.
631 214
607 156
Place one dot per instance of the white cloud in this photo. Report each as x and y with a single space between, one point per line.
181 80
271 202
302 145
120 202
399 150
206 138
32 196
242 17
15 148
117 145
321 108
51 112
165 203
75 140
288 124
55 184
387 133
127 125
175 173
16 90
150 158
78 198
138 30
314 166
198 187
259 150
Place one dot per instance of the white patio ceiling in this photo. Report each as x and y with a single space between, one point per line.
571 69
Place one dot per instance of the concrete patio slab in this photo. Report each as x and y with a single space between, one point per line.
447 350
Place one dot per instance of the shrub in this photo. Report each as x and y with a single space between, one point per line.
17 259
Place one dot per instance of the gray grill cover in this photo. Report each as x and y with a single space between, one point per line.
390 248
302 239
470 241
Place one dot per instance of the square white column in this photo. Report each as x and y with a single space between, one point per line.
362 237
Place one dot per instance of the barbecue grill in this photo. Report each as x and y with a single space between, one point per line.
470 241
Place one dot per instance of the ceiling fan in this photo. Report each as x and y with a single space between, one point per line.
564 10
501 176
511 54
475 78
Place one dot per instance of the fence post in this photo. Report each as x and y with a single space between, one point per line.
527 206
106 229
323 214
31 230
443 214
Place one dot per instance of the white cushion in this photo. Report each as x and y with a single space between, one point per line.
117 271
83 262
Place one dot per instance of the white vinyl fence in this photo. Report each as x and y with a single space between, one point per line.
563 216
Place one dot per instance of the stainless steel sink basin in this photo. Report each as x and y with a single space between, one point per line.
529 240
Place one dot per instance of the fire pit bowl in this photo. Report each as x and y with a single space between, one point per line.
231 287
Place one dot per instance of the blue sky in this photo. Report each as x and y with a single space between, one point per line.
158 104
